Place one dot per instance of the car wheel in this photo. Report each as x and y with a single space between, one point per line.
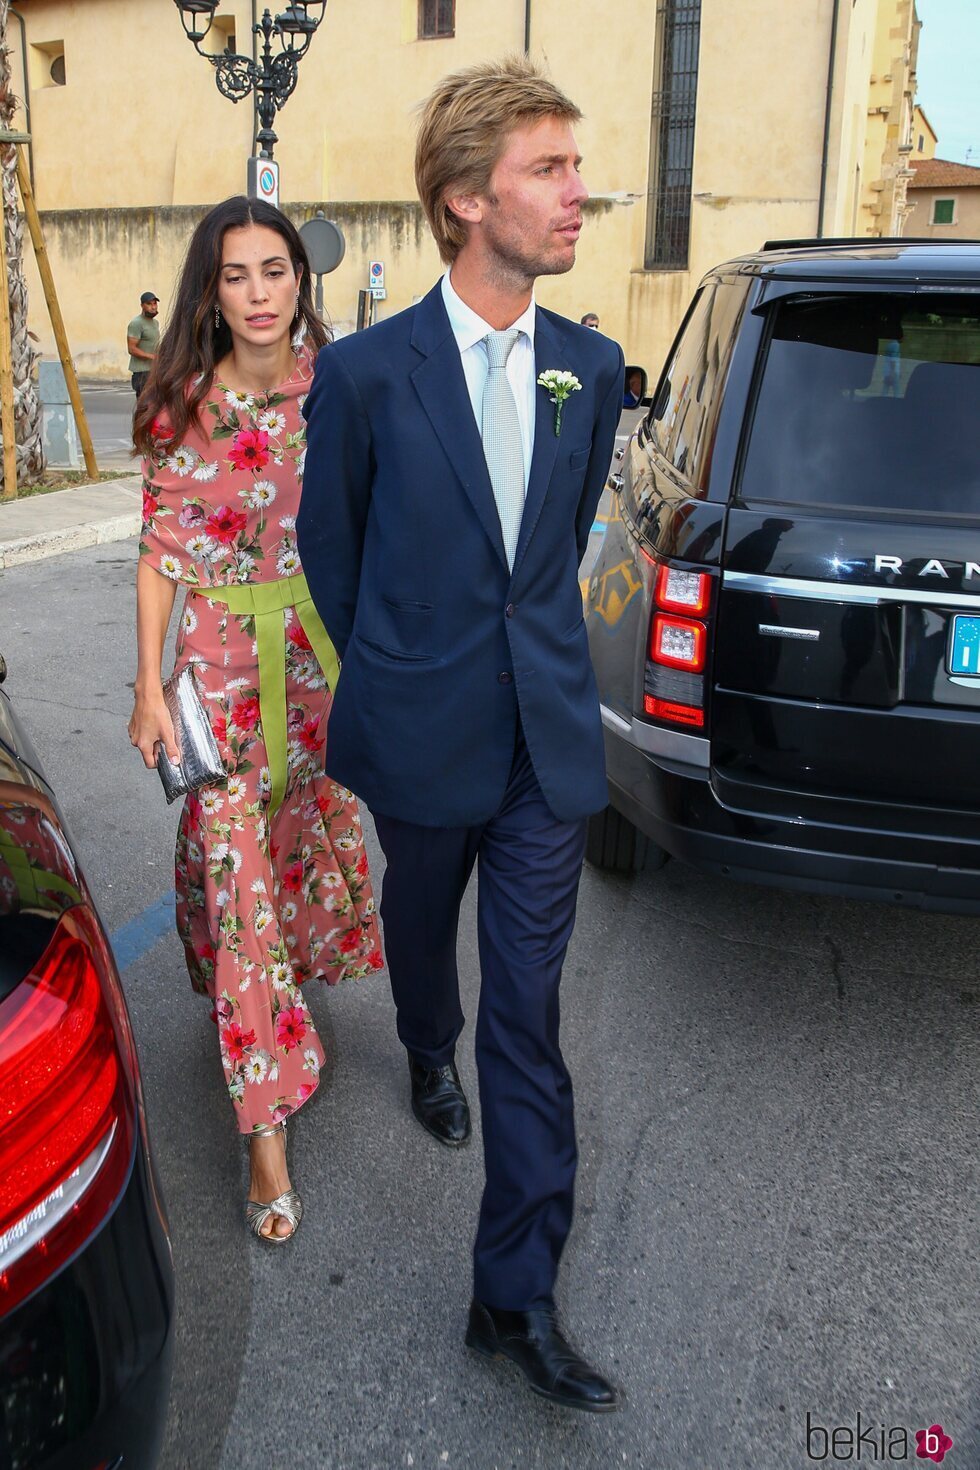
613 843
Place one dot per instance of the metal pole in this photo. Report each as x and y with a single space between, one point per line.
255 58
265 91
365 310
27 85
825 154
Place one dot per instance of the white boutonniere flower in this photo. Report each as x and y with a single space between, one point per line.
559 385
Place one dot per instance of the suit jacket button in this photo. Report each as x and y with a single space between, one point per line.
509 610
504 678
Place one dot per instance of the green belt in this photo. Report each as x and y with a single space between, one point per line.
266 602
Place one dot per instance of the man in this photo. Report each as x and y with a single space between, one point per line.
633 393
447 504
143 339
590 320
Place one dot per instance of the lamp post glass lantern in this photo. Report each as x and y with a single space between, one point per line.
273 77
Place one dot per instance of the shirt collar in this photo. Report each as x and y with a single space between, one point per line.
468 328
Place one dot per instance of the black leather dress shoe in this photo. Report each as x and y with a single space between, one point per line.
533 1340
439 1102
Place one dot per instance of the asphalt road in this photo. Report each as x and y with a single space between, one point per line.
777 1110
109 410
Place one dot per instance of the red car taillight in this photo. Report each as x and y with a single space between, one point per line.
678 645
67 1105
683 592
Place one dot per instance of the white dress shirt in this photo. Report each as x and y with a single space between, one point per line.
469 331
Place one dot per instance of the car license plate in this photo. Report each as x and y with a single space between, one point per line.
964 645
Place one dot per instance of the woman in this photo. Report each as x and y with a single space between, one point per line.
272 876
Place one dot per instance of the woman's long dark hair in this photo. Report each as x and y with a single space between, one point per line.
183 369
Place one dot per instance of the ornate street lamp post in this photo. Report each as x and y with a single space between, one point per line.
273 78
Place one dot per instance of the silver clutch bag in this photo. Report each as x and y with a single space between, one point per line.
200 761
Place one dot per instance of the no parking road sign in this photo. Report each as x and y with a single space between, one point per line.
263 180
376 279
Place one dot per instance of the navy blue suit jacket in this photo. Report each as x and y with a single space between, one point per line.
400 541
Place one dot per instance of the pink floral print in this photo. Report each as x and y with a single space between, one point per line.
265 901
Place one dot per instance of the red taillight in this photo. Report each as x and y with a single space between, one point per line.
67 1105
679 643
677 647
683 592
667 709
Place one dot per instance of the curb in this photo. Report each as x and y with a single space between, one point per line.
73 538
98 530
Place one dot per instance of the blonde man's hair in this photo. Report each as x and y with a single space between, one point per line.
463 130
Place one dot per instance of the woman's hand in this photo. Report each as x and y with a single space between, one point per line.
150 724
150 721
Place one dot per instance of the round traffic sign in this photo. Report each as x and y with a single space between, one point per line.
325 244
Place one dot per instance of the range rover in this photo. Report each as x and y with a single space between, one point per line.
784 615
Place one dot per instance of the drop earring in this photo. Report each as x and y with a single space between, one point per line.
217 317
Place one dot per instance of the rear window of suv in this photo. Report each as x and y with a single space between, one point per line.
870 401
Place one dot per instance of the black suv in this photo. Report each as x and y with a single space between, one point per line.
784 616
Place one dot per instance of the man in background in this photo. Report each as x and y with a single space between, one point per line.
143 339
590 320
633 391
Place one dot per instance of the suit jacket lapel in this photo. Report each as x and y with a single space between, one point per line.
441 385
549 352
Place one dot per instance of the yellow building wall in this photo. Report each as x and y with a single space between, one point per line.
849 118
889 136
348 132
158 138
139 120
924 140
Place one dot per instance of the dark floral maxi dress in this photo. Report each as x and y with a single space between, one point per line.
265 899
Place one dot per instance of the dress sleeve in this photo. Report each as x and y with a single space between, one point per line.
171 508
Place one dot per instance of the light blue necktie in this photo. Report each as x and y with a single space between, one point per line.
503 444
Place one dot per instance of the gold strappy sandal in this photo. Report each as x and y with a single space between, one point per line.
288 1205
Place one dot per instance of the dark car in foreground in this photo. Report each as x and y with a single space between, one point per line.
86 1276
784 616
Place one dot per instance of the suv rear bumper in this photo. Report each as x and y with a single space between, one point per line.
674 803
